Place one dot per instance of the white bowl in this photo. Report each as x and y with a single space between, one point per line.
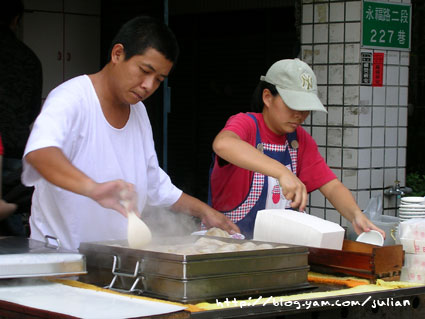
372 237
412 200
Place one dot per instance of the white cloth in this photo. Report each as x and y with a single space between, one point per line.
72 120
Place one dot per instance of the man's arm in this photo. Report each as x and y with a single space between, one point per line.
53 165
210 217
229 146
343 201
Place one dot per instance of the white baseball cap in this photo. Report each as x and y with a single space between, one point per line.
296 83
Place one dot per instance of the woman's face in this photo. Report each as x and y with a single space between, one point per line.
279 118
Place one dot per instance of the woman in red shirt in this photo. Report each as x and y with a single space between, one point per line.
267 160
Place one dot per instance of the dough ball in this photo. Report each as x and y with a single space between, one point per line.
217 232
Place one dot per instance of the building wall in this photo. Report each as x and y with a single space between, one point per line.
364 135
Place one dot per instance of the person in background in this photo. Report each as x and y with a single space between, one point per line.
20 103
93 140
6 208
265 159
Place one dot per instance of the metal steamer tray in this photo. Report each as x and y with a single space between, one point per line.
196 277
23 257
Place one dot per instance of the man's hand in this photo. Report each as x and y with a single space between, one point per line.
110 195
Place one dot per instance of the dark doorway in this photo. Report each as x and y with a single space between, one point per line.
222 57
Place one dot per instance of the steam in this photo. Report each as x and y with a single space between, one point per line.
163 222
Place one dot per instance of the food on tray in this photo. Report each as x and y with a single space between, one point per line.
217 232
206 245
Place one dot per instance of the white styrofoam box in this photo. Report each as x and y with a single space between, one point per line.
320 52
307 33
351 95
336 12
352 11
335 98
352 53
336 53
335 114
307 13
352 74
335 74
291 227
352 32
391 135
336 32
377 178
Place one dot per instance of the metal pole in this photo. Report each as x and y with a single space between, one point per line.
167 107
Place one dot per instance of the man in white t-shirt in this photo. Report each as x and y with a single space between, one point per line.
93 139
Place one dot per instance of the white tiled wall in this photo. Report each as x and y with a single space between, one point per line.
364 135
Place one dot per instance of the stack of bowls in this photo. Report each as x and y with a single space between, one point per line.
411 207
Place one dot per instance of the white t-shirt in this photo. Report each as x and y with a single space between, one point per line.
72 120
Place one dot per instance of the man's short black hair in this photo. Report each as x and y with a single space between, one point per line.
142 33
10 9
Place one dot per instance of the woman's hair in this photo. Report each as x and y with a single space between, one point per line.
257 102
142 33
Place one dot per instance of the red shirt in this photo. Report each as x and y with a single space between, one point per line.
230 184
1 147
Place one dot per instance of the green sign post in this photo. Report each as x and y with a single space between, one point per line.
386 25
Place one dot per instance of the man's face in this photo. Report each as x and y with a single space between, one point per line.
138 77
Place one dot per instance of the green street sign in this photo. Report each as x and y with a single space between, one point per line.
386 25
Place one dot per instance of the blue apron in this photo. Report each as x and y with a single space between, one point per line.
264 191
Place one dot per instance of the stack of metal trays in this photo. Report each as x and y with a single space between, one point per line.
193 277
23 257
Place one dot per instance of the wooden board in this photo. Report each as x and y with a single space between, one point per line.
359 259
